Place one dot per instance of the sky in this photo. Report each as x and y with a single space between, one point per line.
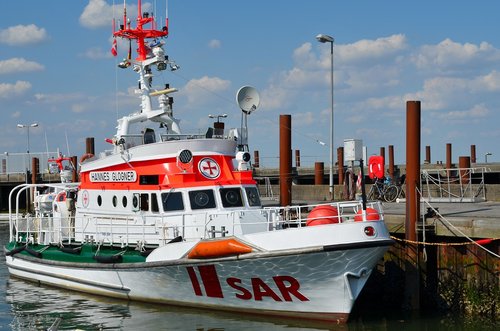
56 69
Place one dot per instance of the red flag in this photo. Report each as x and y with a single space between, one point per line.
114 48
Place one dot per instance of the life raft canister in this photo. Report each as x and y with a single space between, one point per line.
376 166
324 214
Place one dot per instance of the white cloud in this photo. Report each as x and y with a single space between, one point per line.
214 43
98 13
13 90
19 65
448 54
16 114
96 53
368 49
21 35
477 111
198 91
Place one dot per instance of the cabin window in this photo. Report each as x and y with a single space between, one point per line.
231 197
149 180
154 203
144 202
172 201
124 201
253 196
115 200
135 202
99 200
202 199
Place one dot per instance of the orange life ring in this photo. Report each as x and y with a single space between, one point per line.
376 166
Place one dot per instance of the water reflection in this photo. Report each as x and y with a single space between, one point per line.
37 307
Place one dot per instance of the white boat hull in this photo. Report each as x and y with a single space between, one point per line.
317 283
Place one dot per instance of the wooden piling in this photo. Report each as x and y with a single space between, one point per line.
464 165
256 159
340 162
448 159
412 280
319 172
473 153
391 162
297 158
285 160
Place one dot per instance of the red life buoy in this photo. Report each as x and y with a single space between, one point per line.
376 166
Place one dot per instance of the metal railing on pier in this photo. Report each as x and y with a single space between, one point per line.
454 185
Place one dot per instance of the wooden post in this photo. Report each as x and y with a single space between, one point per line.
256 160
297 158
285 160
319 169
412 277
391 162
448 159
464 165
340 162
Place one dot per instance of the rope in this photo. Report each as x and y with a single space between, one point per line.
477 242
443 219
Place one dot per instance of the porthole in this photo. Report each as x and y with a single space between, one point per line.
115 200
99 200
124 201
135 201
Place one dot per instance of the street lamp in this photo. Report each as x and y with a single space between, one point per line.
323 38
486 157
22 126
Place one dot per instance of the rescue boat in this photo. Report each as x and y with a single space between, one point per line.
176 218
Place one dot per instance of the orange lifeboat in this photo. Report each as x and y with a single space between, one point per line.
218 248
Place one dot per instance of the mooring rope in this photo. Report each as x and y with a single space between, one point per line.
441 218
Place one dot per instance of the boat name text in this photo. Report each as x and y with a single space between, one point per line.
282 288
113 176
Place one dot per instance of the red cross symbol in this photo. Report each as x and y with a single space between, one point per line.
209 168
85 198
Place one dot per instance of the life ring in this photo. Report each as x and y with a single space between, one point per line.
376 166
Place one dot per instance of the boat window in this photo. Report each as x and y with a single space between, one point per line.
149 136
135 202
149 179
115 200
202 199
154 203
172 201
253 196
99 200
144 201
124 201
231 197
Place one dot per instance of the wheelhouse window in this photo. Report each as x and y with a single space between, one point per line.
202 199
253 196
231 197
172 201
154 203
144 202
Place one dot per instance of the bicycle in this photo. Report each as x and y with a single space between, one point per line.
383 190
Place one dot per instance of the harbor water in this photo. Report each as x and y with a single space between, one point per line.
29 306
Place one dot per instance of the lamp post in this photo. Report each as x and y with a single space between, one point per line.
27 127
323 38
486 157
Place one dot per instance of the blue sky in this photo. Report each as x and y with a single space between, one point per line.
56 70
